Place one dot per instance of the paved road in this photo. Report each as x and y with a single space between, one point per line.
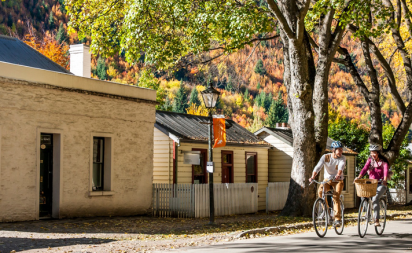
396 238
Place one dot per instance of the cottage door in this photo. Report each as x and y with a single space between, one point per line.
227 167
46 175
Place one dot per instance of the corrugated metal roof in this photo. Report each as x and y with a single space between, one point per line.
192 128
13 50
286 135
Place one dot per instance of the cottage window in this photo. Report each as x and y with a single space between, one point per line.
199 175
101 165
251 167
98 164
227 166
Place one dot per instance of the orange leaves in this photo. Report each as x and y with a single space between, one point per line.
50 48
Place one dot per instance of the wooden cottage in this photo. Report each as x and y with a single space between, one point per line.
408 183
243 160
281 154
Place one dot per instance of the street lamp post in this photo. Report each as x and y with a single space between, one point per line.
210 96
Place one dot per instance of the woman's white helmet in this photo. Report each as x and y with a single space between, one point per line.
375 147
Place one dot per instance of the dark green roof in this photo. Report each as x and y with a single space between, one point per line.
15 51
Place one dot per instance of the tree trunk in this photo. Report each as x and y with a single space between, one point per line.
300 197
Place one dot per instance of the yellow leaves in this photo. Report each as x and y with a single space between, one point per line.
112 72
197 110
50 48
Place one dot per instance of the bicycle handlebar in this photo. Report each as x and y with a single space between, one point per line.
323 182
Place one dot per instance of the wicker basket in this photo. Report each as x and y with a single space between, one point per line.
366 188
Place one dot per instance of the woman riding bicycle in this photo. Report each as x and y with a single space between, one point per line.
378 168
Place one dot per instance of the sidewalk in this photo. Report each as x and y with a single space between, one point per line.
139 234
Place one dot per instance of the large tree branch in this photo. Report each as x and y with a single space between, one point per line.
388 71
400 44
347 61
407 16
300 29
246 43
274 8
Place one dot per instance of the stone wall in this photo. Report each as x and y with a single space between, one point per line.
28 109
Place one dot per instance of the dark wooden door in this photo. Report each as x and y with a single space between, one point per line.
46 175
227 166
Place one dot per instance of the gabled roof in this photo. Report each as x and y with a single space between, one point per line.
191 128
15 51
285 134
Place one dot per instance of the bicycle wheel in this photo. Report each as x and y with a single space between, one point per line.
363 217
320 217
339 230
382 214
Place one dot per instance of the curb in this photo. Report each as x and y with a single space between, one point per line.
299 226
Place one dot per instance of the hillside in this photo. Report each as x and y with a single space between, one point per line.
250 80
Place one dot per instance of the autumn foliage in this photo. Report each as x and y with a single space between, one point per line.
50 48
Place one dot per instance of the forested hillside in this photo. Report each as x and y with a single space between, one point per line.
250 80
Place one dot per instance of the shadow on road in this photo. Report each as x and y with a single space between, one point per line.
393 242
8 244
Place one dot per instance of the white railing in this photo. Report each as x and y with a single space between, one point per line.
192 200
276 195
398 196
229 199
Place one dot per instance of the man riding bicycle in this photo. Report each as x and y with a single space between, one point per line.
334 164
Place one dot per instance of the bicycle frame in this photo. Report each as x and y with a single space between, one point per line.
329 210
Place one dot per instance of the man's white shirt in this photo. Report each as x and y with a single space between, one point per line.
332 166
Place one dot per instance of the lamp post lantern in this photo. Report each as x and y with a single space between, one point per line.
210 97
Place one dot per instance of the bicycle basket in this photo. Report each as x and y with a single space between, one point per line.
366 188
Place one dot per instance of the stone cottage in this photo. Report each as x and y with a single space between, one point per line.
71 146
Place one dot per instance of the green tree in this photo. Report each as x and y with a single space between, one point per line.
188 28
259 68
229 85
61 34
246 95
278 113
148 80
51 20
167 106
101 69
180 102
355 136
194 97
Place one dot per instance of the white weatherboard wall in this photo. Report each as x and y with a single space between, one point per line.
80 60
409 184
163 163
280 166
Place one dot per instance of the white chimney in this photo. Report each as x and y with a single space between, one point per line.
80 60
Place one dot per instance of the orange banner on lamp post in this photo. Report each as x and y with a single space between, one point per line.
219 132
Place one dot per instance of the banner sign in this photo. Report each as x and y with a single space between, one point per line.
219 132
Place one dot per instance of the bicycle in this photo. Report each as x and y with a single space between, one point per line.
321 213
366 213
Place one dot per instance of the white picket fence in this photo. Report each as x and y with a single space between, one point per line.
192 200
276 195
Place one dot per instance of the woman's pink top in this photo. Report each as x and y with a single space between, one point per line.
377 170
